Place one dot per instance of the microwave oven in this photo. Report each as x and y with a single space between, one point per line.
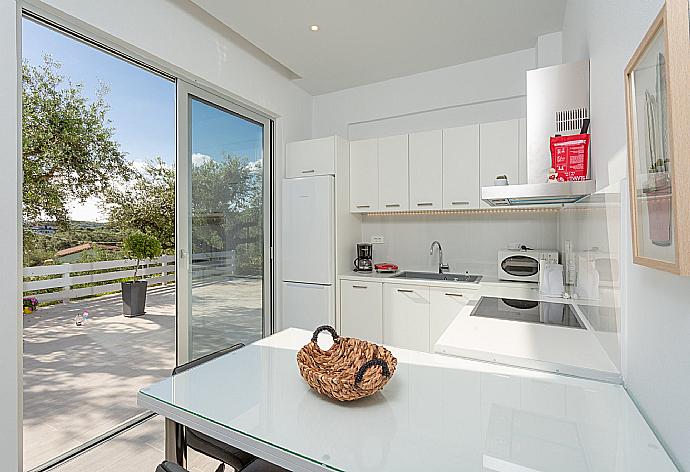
523 264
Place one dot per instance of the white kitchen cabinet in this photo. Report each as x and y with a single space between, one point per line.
499 144
461 168
446 304
310 157
364 176
426 170
307 306
361 310
406 316
393 173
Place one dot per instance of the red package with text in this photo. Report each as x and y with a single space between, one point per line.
570 157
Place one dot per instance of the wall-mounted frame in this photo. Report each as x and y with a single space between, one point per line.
657 86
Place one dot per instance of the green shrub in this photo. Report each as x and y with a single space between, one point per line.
138 245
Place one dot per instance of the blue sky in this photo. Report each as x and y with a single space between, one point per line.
142 107
216 132
142 104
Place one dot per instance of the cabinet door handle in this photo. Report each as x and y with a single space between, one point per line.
454 294
402 290
392 205
424 204
310 171
460 203
363 206
359 286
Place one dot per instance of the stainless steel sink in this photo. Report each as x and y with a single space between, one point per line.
434 276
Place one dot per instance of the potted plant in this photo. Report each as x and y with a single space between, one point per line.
137 245
29 305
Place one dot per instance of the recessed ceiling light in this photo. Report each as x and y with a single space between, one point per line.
314 27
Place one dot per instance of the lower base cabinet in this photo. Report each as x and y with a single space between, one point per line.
406 316
446 304
401 315
361 310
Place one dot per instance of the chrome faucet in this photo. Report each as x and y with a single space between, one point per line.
441 265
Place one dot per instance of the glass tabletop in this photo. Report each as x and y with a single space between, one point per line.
436 413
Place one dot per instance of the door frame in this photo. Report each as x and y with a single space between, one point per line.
183 229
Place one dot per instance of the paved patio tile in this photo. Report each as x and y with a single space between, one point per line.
80 382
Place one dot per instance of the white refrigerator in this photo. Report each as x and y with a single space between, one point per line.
308 252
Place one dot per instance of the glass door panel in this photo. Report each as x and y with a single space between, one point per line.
224 213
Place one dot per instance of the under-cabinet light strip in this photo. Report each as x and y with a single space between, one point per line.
482 211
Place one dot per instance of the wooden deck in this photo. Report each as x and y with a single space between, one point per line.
80 382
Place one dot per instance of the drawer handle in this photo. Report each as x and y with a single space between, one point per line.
310 171
392 205
454 294
359 286
424 204
363 206
459 203
401 290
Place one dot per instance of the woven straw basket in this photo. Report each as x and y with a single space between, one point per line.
349 370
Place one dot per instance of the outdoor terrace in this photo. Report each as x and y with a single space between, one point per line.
81 381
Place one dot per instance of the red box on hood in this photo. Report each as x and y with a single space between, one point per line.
570 157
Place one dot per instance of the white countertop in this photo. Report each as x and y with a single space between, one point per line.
550 348
389 277
437 413
557 349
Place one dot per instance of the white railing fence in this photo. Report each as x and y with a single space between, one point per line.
65 281
64 277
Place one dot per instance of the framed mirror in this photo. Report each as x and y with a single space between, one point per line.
657 111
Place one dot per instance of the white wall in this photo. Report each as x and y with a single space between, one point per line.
10 256
487 90
470 242
656 312
490 89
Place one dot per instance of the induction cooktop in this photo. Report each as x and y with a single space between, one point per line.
528 311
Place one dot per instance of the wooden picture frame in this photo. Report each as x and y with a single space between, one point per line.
657 92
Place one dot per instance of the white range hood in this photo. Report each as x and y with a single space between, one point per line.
538 194
557 103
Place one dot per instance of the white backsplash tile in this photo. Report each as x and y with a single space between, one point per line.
470 242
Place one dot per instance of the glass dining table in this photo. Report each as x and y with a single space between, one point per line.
437 413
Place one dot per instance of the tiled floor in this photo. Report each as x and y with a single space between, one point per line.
80 382
137 450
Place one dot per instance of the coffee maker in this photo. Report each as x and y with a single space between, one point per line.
364 256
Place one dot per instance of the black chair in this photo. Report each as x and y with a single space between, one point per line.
166 466
211 447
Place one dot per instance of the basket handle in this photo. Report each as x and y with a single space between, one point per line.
370 363
330 329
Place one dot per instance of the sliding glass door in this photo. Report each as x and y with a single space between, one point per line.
223 223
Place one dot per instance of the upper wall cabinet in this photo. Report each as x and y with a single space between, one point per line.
310 157
393 173
461 168
434 170
426 170
658 112
364 176
499 153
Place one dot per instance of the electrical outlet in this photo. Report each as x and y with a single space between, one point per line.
377 240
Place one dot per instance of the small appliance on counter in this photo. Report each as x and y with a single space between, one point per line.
523 264
364 256
386 268
550 279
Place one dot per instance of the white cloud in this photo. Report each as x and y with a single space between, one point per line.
87 211
200 159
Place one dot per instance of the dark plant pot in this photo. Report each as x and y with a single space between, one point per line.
134 298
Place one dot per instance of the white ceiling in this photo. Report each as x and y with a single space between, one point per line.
365 41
